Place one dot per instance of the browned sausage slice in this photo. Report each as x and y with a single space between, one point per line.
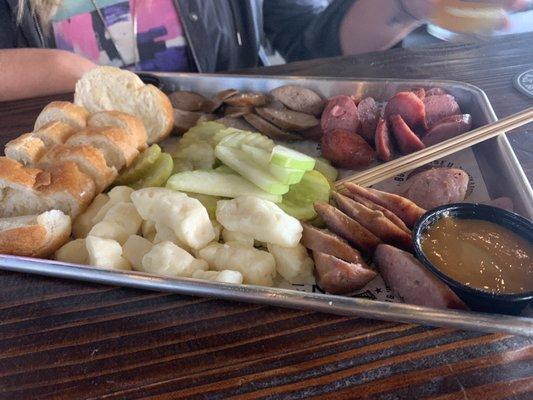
187 101
340 113
327 242
299 98
237 123
336 276
315 133
439 107
368 113
404 208
247 99
409 106
287 119
237 111
269 129
344 226
374 221
383 141
435 91
436 187
448 128
346 149
411 281
407 140
373 206
185 120
420 93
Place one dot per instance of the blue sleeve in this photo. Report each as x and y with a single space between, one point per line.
8 27
304 29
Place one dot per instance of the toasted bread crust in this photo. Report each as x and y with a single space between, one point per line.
26 149
76 115
15 173
168 113
130 123
55 132
23 241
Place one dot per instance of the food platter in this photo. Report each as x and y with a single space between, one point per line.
499 170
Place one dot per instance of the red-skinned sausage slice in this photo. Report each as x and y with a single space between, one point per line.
407 141
439 107
340 113
448 128
346 149
435 91
409 106
383 141
368 113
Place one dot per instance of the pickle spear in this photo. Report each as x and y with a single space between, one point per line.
142 164
157 175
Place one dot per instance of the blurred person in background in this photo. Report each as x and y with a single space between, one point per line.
53 42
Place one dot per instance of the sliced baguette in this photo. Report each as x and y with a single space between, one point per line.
109 88
118 147
90 160
28 191
131 124
63 111
55 132
26 149
34 235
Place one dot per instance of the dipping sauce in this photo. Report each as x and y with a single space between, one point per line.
480 254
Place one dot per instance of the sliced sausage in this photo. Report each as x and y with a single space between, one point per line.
340 113
287 119
242 99
351 230
373 206
237 111
237 123
436 187
409 107
404 208
439 107
214 103
420 93
383 141
268 129
336 276
435 91
187 101
374 221
327 242
368 113
346 149
407 140
411 281
448 128
299 98
315 133
185 120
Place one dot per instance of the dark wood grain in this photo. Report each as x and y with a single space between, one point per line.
65 339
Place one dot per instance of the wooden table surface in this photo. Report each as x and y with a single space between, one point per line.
65 339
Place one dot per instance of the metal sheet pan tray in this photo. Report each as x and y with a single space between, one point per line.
500 169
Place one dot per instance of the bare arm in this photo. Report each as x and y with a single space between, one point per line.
38 72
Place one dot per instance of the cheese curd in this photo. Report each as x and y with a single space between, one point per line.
73 252
106 253
259 219
84 222
225 276
256 266
168 259
293 263
134 250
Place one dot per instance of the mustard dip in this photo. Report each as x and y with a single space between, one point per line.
480 254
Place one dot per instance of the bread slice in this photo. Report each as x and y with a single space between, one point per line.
118 147
89 160
131 124
28 191
26 149
34 235
107 88
55 132
64 111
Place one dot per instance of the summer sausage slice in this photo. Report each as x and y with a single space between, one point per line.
187 101
340 113
346 149
269 129
368 113
299 98
237 123
374 221
435 91
287 119
439 107
237 111
315 133
242 99
436 187
411 281
185 120
407 140
409 106
327 242
344 226
336 276
448 128
404 208
383 141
